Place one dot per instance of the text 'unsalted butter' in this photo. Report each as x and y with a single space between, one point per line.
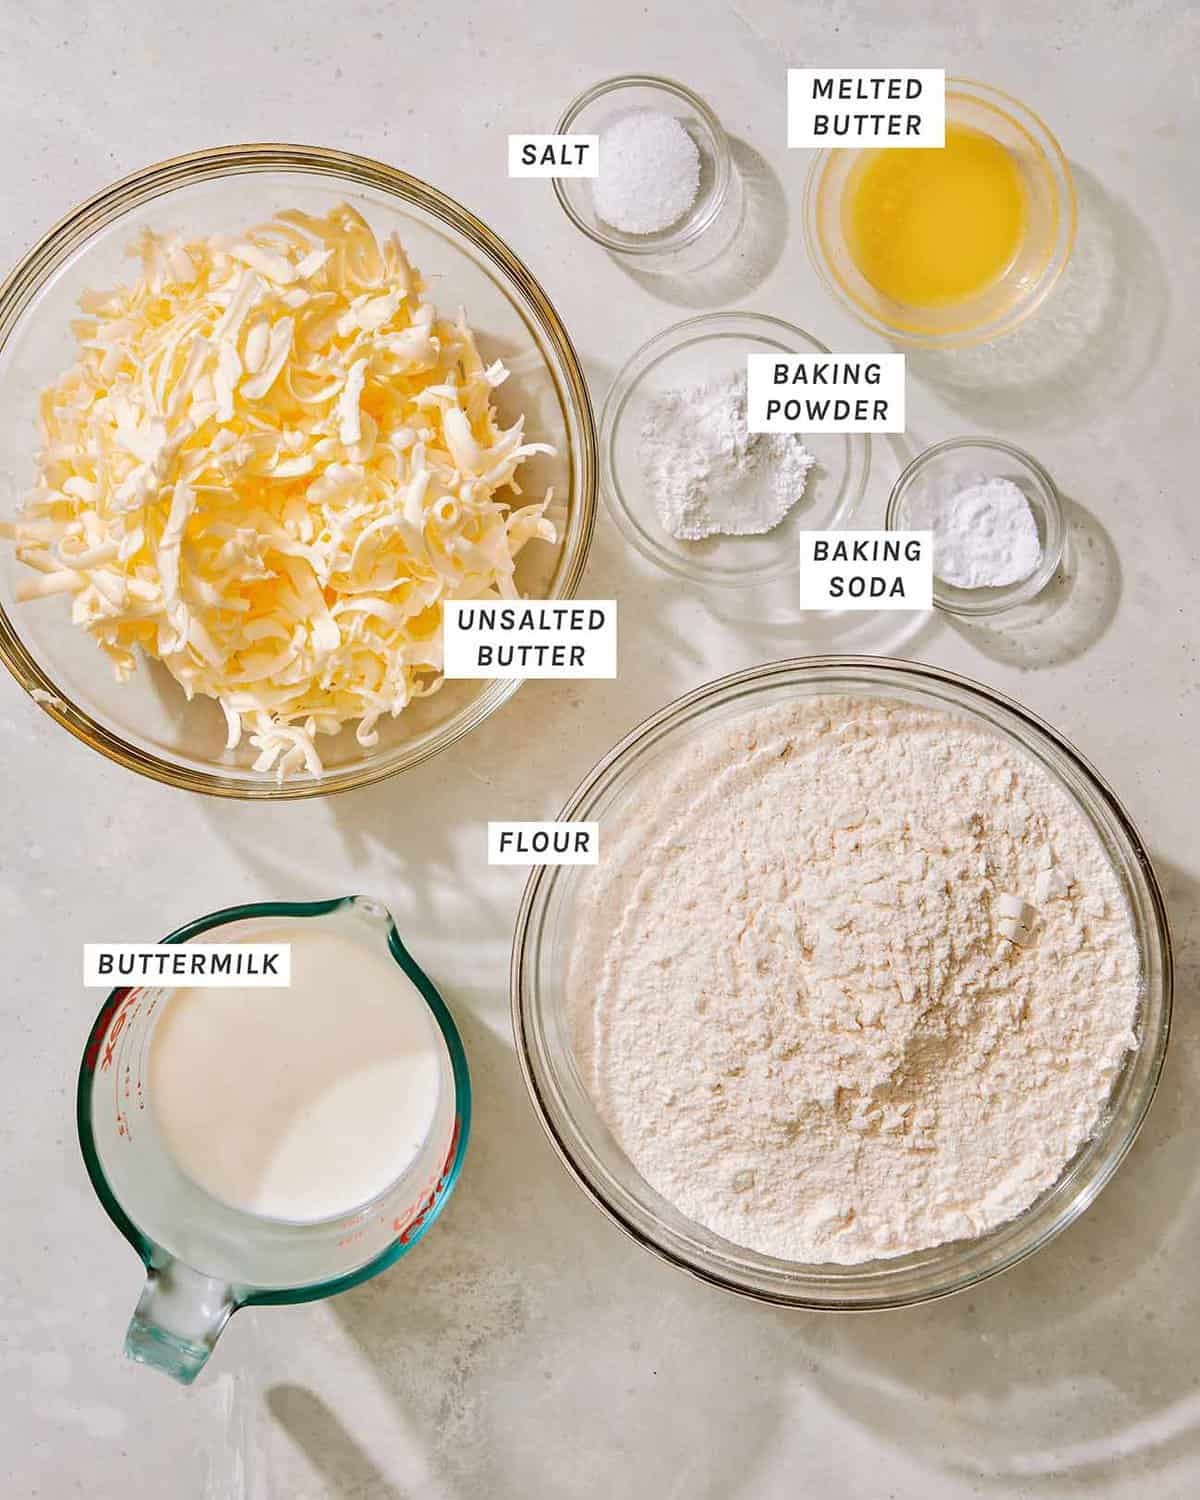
489 638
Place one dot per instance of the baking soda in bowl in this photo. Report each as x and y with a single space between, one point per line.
985 534
306 1102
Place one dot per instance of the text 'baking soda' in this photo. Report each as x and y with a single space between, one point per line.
866 570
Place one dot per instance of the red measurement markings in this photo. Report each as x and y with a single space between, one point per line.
145 1047
409 1230
110 1008
104 1047
110 1023
126 1016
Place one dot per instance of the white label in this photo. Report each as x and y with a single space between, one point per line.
543 843
866 570
825 392
554 156
866 107
499 638
199 966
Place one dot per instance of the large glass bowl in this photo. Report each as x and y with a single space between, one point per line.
146 724
542 946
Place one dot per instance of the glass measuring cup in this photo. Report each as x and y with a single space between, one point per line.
205 1258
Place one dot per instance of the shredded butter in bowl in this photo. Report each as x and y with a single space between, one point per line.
270 465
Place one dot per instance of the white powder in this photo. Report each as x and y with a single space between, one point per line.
984 536
649 172
709 474
792 1001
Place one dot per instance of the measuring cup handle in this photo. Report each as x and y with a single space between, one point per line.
178 1319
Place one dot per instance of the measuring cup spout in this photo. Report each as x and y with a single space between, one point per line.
178 1319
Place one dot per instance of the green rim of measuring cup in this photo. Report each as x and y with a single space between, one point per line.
248 1296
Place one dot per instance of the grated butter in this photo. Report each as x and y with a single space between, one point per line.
271 464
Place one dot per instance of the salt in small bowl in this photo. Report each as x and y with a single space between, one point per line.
709 225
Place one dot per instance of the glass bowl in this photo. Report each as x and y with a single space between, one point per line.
543 941
1035 269
146 724
951 466
718 201
687 354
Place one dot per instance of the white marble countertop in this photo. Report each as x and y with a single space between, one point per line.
526 1348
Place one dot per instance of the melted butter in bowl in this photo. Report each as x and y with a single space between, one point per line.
929 228
945 245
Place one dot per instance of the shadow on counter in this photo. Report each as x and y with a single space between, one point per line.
1089 345
769 619
536 1350
497 1339
528 1340
406 834
776 628
1080 1362
751 255
1070 614
320 1435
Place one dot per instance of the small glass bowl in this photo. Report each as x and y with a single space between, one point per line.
555 902
1035 269
688 354
720 184
953 465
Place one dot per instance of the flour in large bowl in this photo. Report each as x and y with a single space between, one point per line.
801 998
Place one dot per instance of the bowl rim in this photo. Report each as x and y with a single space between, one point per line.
107 206
1018 312
906 673
691 227
998 601
689 330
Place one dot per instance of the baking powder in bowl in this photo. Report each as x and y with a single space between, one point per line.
854 979
709 474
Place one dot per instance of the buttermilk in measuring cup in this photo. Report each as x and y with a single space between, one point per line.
298 1103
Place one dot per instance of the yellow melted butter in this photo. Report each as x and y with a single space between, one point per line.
933 227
